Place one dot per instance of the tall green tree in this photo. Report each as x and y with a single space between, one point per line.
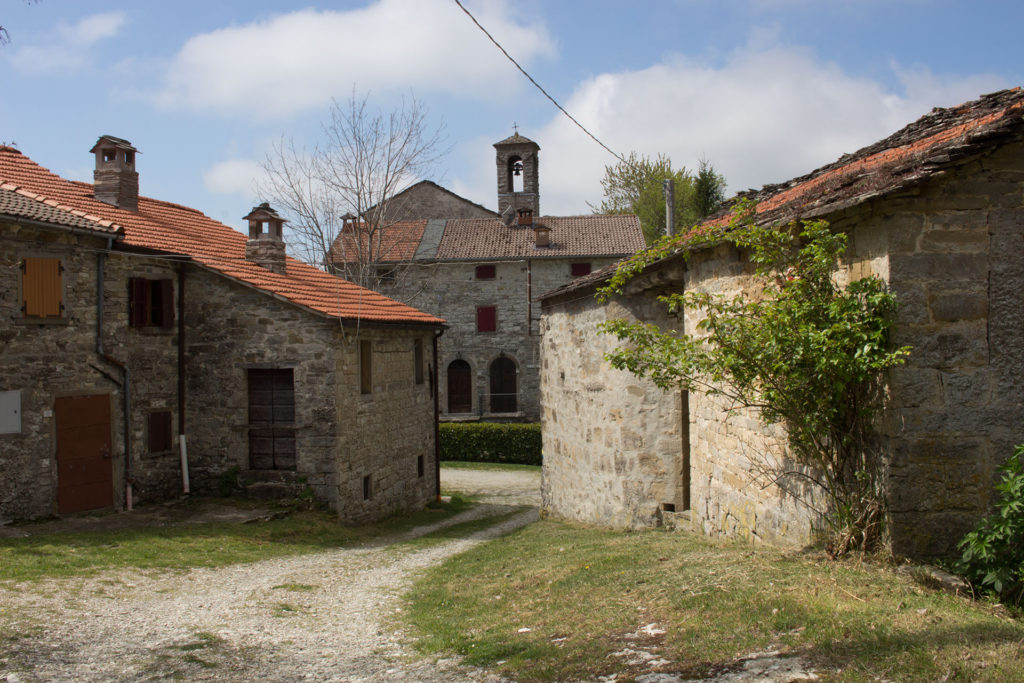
636 184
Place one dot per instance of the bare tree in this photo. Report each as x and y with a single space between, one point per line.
338 196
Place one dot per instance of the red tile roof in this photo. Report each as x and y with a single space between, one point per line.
396 242
593 235
18 202
175 229
925 148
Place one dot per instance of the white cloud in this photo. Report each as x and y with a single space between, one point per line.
766 114
234 176
296 61
71 49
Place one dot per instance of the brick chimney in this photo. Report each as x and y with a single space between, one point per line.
265 247
115 181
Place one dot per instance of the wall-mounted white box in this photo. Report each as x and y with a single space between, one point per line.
10 412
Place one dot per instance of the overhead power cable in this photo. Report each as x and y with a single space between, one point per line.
538 86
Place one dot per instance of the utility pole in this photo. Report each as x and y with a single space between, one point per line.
669 186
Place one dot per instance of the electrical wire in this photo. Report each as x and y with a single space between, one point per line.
538 86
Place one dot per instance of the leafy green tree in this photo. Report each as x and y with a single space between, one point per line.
635 186
806 353
708 190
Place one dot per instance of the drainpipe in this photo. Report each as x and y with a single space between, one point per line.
437 420
529 298
182 447
126 393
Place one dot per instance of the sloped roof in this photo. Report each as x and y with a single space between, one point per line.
489 238
424 184
17 202
593 235
175 229
516 139
938 140
394 242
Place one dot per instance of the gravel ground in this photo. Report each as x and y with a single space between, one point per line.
516 487
318 617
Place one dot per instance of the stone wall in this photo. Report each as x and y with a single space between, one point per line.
427 200
956 263
341 435
47 359
951 250
450 290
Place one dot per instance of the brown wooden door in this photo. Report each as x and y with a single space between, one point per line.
271 419
85 475
503 385
460 387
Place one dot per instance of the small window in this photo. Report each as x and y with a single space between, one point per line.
488 272
420 468
42 288
486 319
160 431
417 359
365 366
129 157
109 155
385 274
367 488
151 302
580 269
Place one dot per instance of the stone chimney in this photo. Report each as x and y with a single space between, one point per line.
541 236
265 247
115 181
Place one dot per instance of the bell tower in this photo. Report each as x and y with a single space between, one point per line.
518 181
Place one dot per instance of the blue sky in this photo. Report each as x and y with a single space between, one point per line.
764 89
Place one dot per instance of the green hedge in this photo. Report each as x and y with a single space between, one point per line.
512 442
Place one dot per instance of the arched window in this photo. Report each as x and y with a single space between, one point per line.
460 387
503 385
514 181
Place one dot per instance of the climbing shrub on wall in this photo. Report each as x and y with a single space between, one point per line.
805 352
510 443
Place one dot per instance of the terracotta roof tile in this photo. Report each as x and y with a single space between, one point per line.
175 229
398 242
593 235
18 202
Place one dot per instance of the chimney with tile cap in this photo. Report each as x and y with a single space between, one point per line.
115 180
266 238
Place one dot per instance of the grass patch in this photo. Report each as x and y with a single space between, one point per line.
453 532
286 609
584 593
63 555
295 587
489 466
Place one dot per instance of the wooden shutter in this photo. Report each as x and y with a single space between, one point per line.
486 319
138 301
485 272
580 269
41 288
166 303
160 431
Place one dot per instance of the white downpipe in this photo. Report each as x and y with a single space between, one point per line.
184 463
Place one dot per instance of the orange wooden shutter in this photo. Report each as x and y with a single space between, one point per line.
41 289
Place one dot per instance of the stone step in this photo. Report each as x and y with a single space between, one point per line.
273 490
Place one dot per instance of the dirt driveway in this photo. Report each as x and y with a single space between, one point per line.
506 487
319 617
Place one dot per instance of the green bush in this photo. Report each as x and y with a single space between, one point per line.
993 554
510 443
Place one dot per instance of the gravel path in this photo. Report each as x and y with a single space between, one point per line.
319 617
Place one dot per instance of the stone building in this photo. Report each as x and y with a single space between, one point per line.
483 275
148 349
935 210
